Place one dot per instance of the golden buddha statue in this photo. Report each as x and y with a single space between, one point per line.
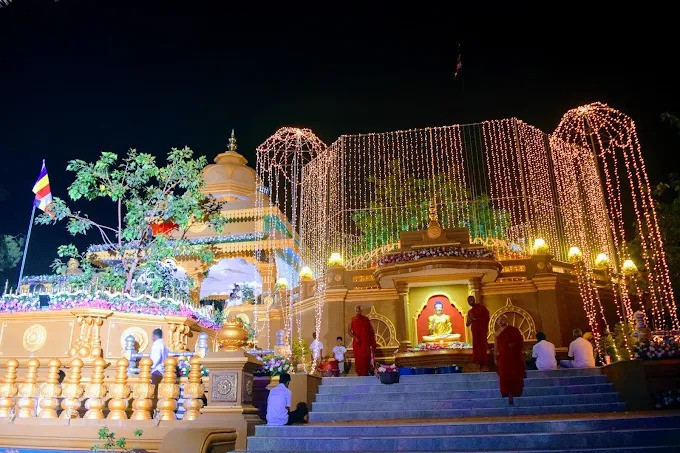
439 327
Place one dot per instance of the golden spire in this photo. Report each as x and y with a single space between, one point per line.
232 142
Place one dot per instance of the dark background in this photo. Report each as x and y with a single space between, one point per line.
79 77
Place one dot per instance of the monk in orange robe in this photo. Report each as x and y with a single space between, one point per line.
509 357
478 321
363 342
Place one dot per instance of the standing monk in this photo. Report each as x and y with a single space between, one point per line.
363 342
478 321
508 352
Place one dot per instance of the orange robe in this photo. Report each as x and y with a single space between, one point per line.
480 333
510 361
363 343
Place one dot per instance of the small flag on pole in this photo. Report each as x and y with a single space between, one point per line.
42 191
459 64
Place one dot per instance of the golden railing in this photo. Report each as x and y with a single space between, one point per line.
98 397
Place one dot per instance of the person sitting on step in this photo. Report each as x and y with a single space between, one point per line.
279 402
581 350
544 353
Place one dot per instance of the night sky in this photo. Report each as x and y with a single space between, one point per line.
77 78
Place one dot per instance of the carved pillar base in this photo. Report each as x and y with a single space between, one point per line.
230 397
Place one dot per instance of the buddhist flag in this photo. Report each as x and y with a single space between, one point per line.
41 189
459 64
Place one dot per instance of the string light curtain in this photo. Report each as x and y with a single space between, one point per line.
493 178
611 137
280 162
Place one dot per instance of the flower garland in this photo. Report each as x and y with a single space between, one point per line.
438 347
436 252
666 347
145 305
224 239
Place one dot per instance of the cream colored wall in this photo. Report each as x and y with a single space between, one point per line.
418 297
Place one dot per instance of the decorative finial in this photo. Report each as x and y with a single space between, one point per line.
433 211
232 141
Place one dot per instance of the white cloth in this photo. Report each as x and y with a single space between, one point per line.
582 352
544 353
316 348
339 353
158 355
278 403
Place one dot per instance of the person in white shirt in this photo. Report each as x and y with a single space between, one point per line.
544 353
582 352
339 352
278 405
158 353
317 349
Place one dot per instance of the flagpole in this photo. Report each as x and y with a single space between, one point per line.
28 238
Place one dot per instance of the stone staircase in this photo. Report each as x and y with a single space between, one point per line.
464 412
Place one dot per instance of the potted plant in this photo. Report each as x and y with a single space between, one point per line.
388 374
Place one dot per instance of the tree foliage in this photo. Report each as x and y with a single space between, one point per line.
141 192
10 251
401 203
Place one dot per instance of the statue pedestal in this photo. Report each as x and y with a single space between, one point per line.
230 396
437 358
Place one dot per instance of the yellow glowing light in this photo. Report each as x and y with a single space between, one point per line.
306 274
336 259
282 283
575 254
602 261
540 247
629 267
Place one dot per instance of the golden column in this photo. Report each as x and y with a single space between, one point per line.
168 391
119 392
95 391
29 390
8 388
50 391
71 390
143 392
193 391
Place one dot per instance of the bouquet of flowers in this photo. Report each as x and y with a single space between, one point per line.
386 369
658 348
274 365
183 368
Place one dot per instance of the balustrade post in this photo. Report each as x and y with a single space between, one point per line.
119 392
71 390
193 391
143 392
50 391
8 388
29 390
95 391
168 391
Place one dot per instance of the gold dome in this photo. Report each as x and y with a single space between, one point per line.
230 178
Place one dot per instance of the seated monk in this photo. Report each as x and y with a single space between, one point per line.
439 327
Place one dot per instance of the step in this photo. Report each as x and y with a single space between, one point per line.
474 442
461 394
481 427
496 401
318 416
571 372
406 386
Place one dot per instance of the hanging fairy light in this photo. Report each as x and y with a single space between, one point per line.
280 164
611 137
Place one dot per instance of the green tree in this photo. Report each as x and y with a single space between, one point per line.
10 251
141 193
401 203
